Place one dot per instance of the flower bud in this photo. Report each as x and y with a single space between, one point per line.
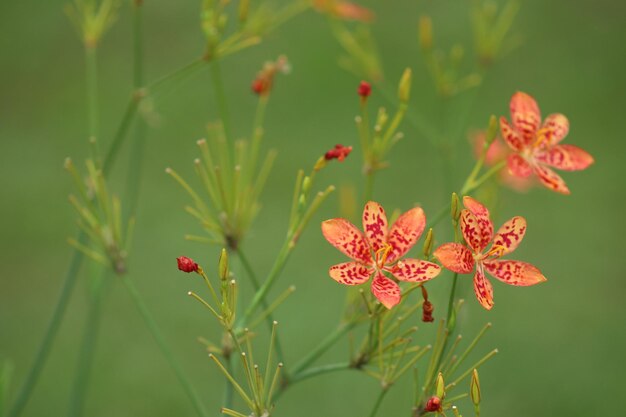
433 404
223 265
475 389
440 386
404 87
425 29
186 264
454 207
492 130
428 243
364 90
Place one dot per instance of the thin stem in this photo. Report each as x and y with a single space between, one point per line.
51 331
88 346
379 401
480 181
451 304
328 342
220 97
158 337
319 370
92 94
369 185
228 388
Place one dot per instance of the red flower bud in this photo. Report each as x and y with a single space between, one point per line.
187 264
339 152
433 404
364 89
261 86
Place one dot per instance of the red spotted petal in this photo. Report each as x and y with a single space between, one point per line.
510 135
405 232
518 166
566 157
348 239
415 270
515 272
509 236
473 232
551 179
455 257
554 129
350 273
483 288
375 225
387 291
484 227
525 116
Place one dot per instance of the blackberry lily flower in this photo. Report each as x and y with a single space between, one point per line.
379 250
536 145
477 230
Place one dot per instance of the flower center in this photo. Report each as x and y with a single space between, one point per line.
382 254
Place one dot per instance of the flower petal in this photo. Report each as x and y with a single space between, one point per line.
553 130
415 270
375 225
348 239
518 166
579 158
566 157
350 273
455 257
525 116
474 235
510 135
483 288
387 291
483 229
551 179
515 272
509 236
405 232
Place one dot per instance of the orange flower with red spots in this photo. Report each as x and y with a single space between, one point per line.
536 145
379 250
477 230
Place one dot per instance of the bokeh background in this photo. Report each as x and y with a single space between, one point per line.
561 344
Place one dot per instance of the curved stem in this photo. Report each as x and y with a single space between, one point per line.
88 347
51 331
379 401
162 344
270 317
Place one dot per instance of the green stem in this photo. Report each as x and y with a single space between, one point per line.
88 346
220 97
228 388
455 278
158 337
92 96
369 185
480 181
379 401
270 317
326 344
319 370
53 327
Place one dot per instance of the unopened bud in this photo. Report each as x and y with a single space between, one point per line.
364 90
440 386
433 404
425 28
475 389
306 184
404 87
428 243
492 130
186 264
223 265
244 8
454 207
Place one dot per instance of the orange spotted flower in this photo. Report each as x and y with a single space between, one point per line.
379 250
477 230
536 145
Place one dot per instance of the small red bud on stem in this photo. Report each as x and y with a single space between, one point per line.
433 404
339 152
364 90
186 264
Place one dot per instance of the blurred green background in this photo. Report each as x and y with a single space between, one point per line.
561 344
